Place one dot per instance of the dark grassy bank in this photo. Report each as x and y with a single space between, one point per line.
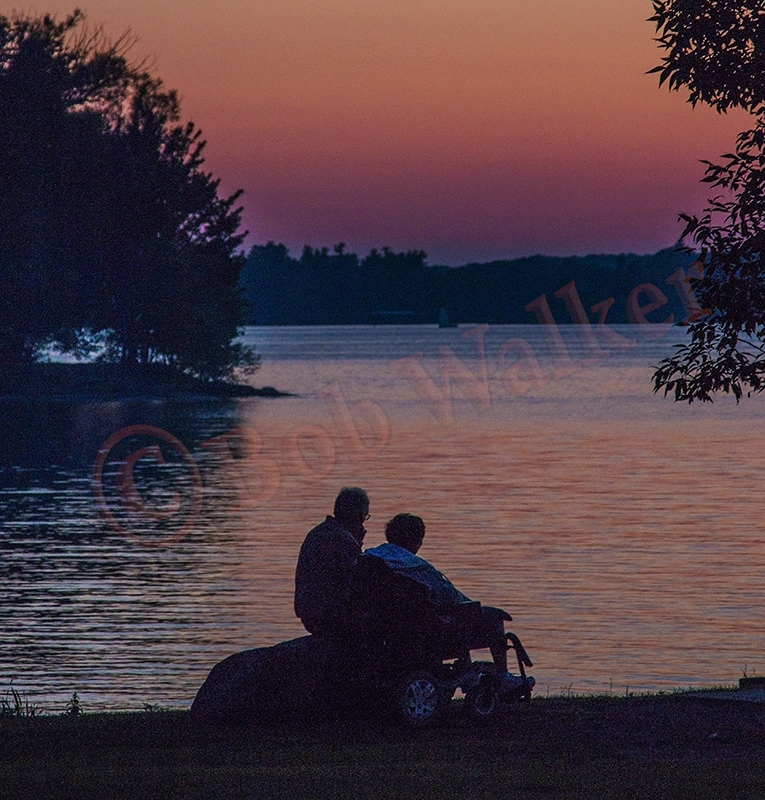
94 382
670 746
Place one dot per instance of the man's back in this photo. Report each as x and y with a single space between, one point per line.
323 577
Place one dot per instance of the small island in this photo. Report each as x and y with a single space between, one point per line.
105 382
116 247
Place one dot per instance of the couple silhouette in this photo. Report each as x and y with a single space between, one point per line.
387 603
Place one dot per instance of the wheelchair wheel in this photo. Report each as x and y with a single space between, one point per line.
481 701
419 699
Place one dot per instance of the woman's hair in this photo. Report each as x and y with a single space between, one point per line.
405 530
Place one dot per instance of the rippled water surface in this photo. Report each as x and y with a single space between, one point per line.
621 530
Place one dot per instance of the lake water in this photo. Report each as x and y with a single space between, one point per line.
622 530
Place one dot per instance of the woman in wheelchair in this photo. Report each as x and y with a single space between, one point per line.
409 613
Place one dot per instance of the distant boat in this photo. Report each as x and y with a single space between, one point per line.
444 321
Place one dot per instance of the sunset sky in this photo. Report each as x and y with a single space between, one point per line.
471 129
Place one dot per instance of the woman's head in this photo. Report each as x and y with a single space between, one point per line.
407 531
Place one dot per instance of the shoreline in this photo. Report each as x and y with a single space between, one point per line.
673 746
90 382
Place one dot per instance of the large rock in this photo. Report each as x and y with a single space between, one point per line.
309 675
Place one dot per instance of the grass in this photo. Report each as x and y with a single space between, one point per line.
16 704
573 748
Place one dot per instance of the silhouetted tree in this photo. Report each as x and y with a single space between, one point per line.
110 230
171 279
716 48
50 140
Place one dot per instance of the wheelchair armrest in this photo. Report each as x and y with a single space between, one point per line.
468 607
466 610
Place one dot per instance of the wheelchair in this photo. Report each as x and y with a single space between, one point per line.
419 664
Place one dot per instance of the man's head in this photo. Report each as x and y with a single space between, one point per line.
406 531
352 510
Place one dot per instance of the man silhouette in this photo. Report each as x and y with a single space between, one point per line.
326 566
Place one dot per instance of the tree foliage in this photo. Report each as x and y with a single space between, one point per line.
111 232
716 48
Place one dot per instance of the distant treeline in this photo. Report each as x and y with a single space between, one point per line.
340 288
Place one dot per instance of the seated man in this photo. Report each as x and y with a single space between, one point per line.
326 565
405 534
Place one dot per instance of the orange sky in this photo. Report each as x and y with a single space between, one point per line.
472 129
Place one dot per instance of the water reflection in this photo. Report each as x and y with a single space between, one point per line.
619 529
85 609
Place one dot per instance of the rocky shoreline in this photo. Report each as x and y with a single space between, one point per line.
113 382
